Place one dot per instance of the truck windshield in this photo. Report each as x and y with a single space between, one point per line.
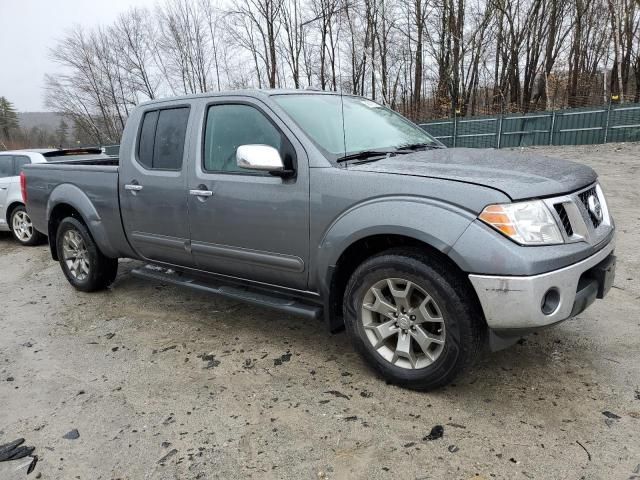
368 126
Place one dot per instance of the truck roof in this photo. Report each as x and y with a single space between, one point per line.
251 92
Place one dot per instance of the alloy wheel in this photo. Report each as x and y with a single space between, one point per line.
75 255
22 226
403 323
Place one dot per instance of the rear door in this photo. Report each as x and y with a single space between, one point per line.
153 193
6 178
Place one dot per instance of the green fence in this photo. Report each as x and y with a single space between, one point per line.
577 126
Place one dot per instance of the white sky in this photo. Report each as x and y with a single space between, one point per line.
28 28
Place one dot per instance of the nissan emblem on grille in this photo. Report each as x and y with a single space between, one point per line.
594 207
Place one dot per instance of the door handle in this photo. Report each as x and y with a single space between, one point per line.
133 188
3 188
201 193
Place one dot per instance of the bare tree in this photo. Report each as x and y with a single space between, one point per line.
294 38
422 57
134 37
258 24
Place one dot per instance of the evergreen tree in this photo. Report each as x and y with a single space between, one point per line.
62 133
8 118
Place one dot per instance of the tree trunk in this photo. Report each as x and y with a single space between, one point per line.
417 84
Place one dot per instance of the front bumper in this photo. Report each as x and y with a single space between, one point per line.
513 305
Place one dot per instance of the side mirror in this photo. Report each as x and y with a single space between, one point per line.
259 157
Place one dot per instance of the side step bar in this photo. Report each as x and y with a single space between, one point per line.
236 292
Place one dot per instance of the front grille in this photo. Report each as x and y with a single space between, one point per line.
564 218
584 198
576 222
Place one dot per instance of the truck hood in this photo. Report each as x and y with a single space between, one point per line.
520 175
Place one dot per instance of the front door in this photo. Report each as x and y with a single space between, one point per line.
244 223
153 194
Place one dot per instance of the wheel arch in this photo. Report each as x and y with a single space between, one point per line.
69 201
356 253
380 224
10 208
59 213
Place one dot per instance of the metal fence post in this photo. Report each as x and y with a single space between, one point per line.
500 130
455 127
553 125
606 125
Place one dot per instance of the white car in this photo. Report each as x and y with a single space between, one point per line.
13 214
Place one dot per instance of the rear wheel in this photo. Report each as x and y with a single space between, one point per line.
84 265
22 228
413 319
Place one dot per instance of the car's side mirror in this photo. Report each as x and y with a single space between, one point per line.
262 158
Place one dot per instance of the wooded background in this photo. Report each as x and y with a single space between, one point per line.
424 58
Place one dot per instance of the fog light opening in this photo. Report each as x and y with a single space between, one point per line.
550 301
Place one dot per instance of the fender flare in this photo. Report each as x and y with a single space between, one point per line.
430 221
71 195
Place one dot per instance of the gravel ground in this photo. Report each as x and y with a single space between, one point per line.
166 383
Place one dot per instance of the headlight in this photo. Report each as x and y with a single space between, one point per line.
528 223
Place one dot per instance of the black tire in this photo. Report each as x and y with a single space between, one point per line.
102 269
34 238
464 324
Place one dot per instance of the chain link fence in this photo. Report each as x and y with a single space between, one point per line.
576 126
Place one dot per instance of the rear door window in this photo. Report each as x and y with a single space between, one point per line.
19 162
169 142
6 166
162 138
145 144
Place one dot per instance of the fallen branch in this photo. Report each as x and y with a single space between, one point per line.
583 447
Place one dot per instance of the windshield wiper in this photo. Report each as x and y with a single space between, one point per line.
418 146
364 155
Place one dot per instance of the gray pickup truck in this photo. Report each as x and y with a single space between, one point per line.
334 207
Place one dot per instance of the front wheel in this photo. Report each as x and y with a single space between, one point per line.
413 319
84 265
22 228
